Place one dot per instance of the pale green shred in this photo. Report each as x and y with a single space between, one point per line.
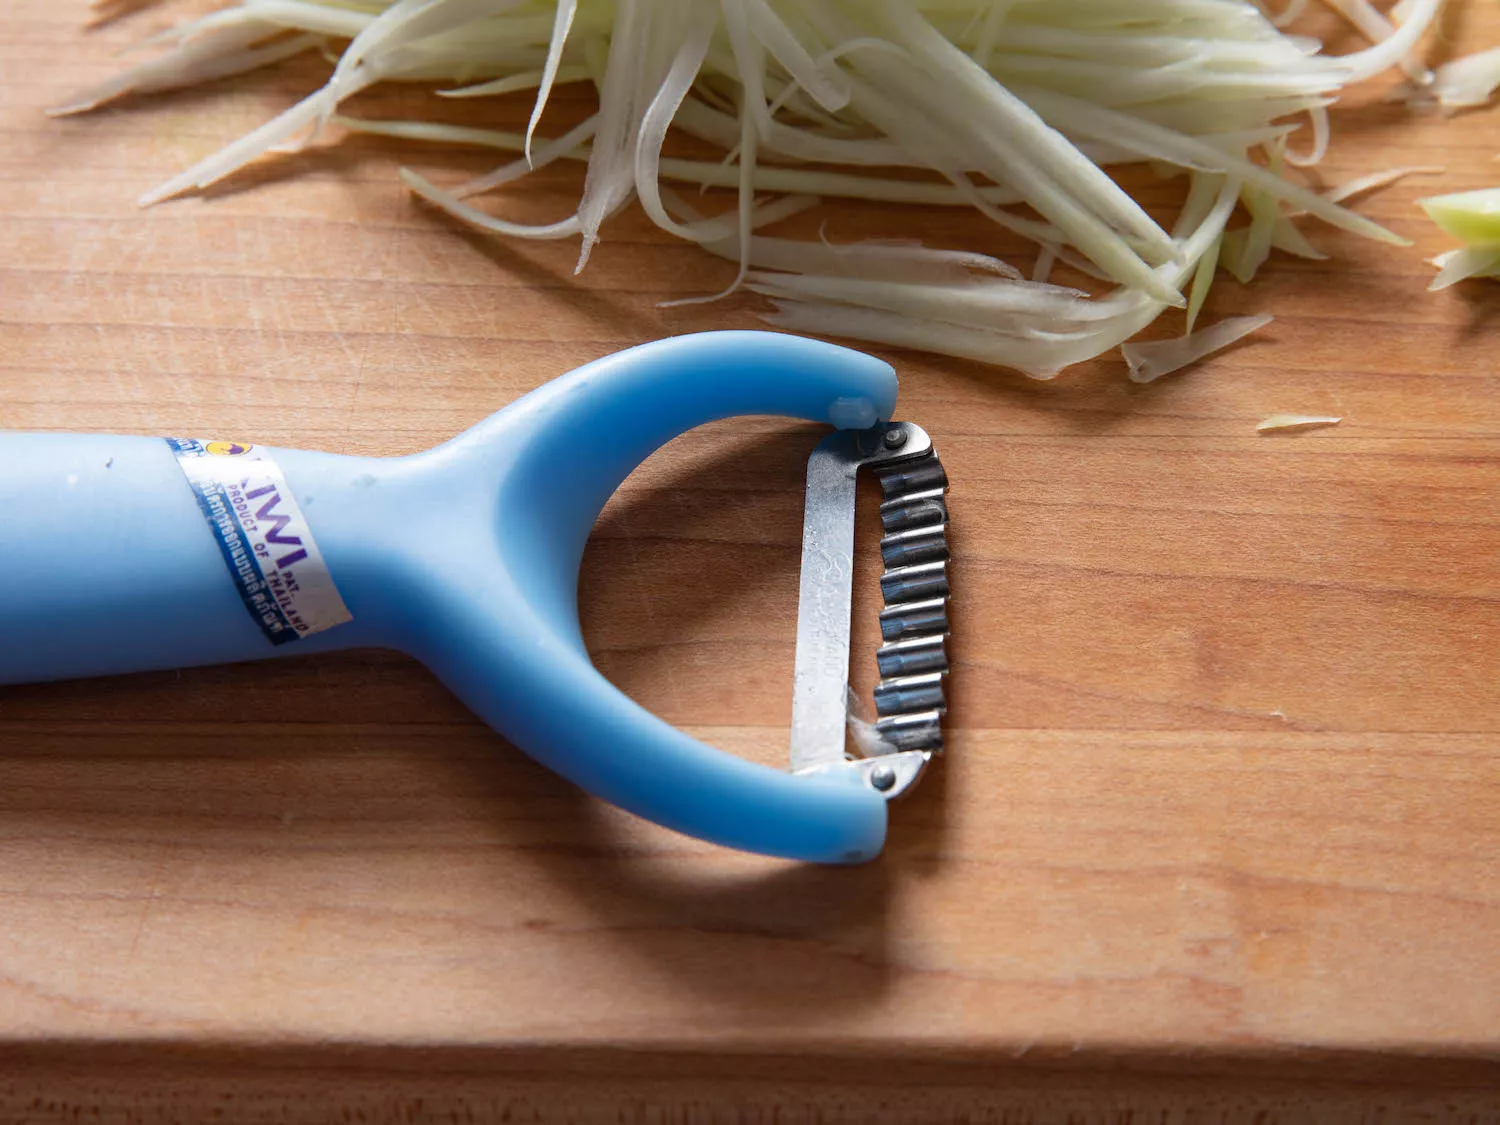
1265 211
1472 217
1150 360
1296 422
1203 281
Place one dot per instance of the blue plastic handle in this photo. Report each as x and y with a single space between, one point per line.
465 556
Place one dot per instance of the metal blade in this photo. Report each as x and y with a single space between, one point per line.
915 588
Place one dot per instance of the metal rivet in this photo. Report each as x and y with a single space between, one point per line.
882 777
895 438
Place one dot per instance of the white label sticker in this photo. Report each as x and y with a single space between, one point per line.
264 538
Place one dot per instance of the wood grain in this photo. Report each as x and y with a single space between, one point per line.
1216 838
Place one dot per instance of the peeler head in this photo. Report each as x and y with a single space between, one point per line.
911 697
502 630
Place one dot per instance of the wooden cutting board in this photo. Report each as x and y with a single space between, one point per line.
1219 822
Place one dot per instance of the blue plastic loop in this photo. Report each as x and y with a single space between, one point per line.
465 556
